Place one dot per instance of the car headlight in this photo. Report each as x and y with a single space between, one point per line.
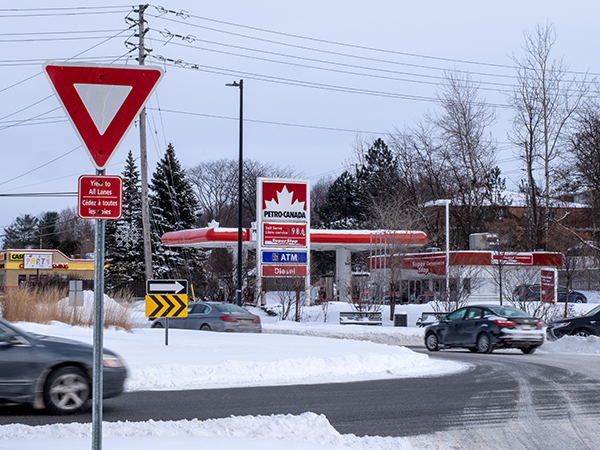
559 325
112 361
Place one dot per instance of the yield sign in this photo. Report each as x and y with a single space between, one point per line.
102 101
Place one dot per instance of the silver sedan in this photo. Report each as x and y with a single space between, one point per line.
214 316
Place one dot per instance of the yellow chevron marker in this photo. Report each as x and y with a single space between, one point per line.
166 305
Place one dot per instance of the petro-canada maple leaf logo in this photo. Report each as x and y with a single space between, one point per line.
284 202
283 207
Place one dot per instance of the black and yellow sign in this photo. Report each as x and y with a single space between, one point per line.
166 305
16 256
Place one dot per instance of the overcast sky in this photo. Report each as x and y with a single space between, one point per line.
317 75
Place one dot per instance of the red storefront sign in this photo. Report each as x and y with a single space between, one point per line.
100 197
547 285
272 270
284 235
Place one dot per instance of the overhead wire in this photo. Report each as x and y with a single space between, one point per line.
378 70
267 122
330 52
300 83
361 47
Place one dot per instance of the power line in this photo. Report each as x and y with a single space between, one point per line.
41 194
342 44
43 165
392 52
267 122
62 8
35 12
347 72
38 33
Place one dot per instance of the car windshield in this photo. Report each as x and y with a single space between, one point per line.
504 311
593 312
230 308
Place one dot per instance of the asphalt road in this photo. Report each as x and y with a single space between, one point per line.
506 400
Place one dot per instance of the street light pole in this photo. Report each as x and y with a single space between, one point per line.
447 204
241 164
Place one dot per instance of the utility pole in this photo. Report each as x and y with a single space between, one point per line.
144 155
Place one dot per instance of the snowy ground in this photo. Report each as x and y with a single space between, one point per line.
286 353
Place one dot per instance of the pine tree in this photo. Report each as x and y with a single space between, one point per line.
124 246
342 210
47 231
174 207
378 178
21 234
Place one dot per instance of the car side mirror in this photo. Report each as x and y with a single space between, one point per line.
8 339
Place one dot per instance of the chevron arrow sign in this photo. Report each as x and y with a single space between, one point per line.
166 306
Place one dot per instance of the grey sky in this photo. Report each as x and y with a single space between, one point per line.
305 100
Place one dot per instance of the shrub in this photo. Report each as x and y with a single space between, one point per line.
45 304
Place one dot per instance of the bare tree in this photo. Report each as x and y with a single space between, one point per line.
463 281
215 184
544 101
390 216
290 295
216 191
468 151
451 154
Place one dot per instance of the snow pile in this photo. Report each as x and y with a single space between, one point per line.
87 309
199 360
379 334
573 344
306 431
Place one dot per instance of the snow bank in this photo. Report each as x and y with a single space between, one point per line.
573 344
306 431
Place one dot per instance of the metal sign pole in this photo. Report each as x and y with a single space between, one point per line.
167 331
98 332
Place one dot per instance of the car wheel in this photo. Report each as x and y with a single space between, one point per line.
431 342
484 343
579 300
205 327
529 350
157 325
581 333
66 391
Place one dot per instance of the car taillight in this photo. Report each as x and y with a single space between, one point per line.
228 319
257 320
539 324
505 322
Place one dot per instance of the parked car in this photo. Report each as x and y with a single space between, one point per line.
584 325
214 316
52 373
532 292
483 328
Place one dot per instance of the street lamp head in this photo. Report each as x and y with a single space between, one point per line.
442 202
235 84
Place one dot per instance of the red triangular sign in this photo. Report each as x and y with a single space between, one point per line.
102 101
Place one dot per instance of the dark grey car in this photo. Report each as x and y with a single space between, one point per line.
482 328
214 316
52 373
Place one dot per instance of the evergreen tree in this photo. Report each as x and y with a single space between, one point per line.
21 234
341 209
47 230
378 180
124 246
352 200
173 208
